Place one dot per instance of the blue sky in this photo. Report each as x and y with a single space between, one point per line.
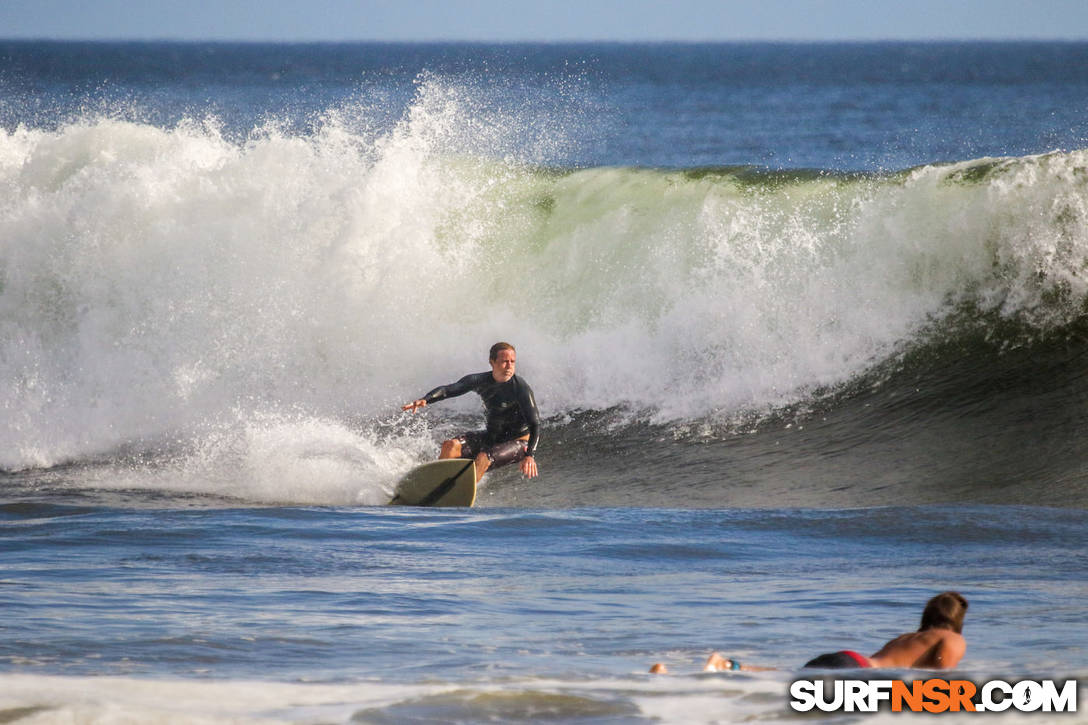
547 20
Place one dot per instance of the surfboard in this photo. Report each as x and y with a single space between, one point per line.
449 482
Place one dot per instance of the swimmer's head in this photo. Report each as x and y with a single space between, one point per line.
945 611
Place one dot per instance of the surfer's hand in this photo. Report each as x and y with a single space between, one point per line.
415 404
528 467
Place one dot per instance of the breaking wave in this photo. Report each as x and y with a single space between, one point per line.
173 284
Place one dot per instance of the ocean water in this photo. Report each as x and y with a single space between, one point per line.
807 325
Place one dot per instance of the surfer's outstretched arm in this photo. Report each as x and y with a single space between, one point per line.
462 386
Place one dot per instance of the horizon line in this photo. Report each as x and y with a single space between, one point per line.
537 41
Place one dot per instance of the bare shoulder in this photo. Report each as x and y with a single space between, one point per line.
931 648
951 650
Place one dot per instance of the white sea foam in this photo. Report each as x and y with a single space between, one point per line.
169 282
47 699
43 700
269 459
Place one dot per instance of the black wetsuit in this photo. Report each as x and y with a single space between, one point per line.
510 407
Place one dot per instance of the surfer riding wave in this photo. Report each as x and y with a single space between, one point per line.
513 422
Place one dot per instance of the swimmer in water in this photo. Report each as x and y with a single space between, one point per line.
938 644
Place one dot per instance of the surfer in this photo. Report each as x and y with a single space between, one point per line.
937 645
513 422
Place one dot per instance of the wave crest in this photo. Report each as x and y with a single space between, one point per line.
153 280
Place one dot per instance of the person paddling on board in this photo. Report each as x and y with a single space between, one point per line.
937 645
513 422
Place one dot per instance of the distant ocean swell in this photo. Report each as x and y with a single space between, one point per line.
170 284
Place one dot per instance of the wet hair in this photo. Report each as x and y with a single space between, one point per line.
499 347
944 611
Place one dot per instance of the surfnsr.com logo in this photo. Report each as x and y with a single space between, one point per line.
933 695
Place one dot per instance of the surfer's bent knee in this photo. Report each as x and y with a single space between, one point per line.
503 454
475 445
451 448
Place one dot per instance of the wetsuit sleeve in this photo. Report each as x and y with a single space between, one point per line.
462 386
527 403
